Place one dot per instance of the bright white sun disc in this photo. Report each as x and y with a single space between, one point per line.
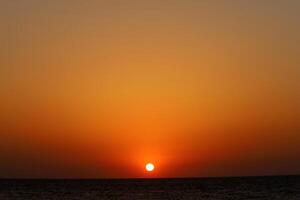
149 167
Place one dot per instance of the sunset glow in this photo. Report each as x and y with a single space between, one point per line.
97 89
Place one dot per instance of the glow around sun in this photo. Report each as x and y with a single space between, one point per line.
149 167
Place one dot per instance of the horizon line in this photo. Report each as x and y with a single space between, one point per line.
152 178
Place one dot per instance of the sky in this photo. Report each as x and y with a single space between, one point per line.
96 89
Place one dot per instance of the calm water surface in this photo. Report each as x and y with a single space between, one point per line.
276 187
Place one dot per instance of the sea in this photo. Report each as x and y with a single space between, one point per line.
233 188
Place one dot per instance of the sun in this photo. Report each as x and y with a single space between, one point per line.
149 167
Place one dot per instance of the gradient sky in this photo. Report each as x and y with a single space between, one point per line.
95 89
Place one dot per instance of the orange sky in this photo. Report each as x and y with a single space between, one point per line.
97 89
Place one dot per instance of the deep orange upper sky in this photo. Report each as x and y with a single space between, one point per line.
96 89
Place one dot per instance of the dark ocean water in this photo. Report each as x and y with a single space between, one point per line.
274 187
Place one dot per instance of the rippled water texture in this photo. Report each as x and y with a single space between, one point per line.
276 187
